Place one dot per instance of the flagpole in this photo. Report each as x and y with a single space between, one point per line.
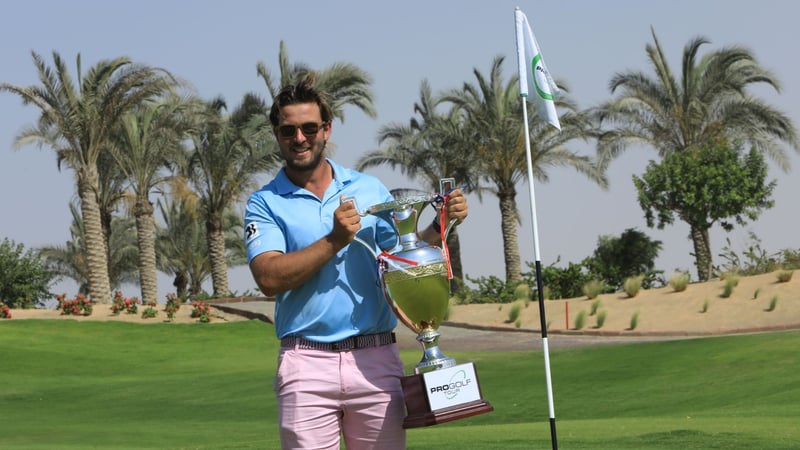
520 21
539 283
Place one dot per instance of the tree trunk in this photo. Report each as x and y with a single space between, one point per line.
702 252
96 254
216 253
508 224
180 282
145 238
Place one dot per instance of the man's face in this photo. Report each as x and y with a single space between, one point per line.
301 146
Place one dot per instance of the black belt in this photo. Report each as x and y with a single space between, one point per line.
351 343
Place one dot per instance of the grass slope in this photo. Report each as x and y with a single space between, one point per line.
70 385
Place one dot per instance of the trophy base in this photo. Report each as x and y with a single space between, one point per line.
418 403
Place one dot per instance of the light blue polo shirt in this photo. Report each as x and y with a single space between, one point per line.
345 297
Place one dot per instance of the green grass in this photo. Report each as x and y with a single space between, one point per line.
110 385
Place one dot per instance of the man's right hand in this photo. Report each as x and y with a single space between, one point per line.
346 223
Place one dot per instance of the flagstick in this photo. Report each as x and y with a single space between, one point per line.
539 283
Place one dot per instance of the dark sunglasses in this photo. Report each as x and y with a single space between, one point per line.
309 129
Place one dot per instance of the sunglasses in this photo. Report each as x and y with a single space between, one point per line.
309 129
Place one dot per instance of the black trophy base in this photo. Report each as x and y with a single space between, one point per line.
419 412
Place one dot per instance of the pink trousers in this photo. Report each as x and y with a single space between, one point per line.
323 395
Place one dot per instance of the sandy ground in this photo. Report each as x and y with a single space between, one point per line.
660 311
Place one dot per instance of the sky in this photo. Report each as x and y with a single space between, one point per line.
216 46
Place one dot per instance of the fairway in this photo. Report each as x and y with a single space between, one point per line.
82 385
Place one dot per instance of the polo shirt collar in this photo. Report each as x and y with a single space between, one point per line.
284 186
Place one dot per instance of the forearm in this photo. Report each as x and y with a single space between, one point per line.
276 272
431 234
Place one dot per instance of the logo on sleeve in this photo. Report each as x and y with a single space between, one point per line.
251 231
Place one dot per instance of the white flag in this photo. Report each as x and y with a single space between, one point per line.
534 79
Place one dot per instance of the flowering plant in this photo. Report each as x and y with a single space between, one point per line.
172 306
149 312
202 311
5 312
79 306
120 303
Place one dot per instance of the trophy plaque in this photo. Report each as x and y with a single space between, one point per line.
416 285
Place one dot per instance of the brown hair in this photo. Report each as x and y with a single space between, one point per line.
303 92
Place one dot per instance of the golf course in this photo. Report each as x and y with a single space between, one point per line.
67 384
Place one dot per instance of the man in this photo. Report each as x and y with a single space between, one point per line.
338 369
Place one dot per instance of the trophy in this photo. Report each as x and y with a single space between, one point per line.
416 285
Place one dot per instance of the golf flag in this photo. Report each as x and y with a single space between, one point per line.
534 79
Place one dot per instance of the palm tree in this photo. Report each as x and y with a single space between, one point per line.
70 259
181 243
429 147
229 152
77 122
340 84
149 140
495 129
707 105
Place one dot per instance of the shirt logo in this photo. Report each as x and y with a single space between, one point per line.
250 231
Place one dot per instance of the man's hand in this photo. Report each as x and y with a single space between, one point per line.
346 223
457 206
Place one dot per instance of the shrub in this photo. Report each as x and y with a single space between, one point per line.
785 275
634 321
632 285
489 290
513 313
730 283
201 311
678 281
773 303
173 305
580 320
755 293
593 288
5 312
601 318
593 310
120 303
23 275
79 306
149 312
705 306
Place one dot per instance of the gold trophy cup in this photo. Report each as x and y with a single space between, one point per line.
417 287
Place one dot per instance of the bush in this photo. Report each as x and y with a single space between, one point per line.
773 303
593 288
513 313
173 305
593 309
730 283
24 279
5 312
120 303
785 275
580 320
705 306
201 311
489 290
634 321
601 318
632 285
80 306
678 281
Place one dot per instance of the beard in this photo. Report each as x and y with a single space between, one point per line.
307 166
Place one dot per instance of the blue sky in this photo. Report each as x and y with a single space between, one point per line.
216 45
